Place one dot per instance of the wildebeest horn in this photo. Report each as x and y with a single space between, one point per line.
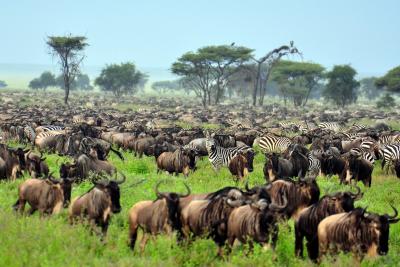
188 191
158 193
276 207
246 185
391 217
357 195
122 180
54 181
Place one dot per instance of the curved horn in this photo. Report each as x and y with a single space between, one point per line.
54 181
391 217
123 178
158 193
357 195
188 191
246 186
276 207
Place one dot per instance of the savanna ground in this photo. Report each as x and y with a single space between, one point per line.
51 241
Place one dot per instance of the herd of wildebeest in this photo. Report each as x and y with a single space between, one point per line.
298 147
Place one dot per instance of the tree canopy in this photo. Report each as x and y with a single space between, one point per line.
390 81
342 86
80 82
207 70
297 79
44 81
120 79
165 86
3 84
69 50
368 87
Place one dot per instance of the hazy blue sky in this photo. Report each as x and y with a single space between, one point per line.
365 33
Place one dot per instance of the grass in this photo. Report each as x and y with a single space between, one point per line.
52 241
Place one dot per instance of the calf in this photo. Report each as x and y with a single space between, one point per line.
238 166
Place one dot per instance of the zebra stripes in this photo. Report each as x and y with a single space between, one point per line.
367 155
314 164
389 139
334 126
48 128
389 154
30 134
220 156
273 143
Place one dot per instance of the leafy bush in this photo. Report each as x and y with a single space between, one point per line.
386 101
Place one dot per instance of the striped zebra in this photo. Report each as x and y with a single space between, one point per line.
314 164
130 124
49 128
272 143
389 139
30 134
334 126
365 154
389 154
79 121
220 156
358 127
293 126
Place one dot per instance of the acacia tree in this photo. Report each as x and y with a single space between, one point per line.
3 84
120 79
342 86
207 70
264 68
45 80
297 79
69 50
368 87
165 86
391 80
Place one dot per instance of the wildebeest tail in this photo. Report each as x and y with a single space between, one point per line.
117 153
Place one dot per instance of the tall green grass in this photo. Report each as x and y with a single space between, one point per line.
51 241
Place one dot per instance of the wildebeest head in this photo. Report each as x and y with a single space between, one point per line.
66 185
249 154
378 228
345 200
172 201
309 190
68 170
19 153
210 145
111 187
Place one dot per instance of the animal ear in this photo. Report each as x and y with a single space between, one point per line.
334 198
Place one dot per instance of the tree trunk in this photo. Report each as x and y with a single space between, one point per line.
256 84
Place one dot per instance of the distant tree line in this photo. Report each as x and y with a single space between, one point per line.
3 84
48 79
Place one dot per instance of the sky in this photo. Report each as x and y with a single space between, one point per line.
365 34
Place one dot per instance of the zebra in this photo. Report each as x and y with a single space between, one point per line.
389 154
30 134
314 164
130 124
220 156
358 127
48 128
334 126
365 154
273 143
389 139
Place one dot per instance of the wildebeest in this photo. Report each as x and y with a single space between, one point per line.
209 217
174 162
47 195
36 165
98 203
154 217
300 194
306 224
85 165
357 231
13 162
254 222
277 167
238 166
358 169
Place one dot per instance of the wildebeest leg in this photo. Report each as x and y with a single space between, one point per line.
143 242
312 248
298 242
274 235
32 210
104 228
16 205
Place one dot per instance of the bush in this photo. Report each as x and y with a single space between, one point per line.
386 101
